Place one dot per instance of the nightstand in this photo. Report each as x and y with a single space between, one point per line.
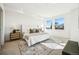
16 35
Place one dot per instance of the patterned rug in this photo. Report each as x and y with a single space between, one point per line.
53 45
38 49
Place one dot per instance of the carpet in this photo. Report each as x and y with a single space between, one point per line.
53 45
37 49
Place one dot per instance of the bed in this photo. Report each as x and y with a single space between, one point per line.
34 38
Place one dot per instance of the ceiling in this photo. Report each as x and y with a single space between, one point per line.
41 9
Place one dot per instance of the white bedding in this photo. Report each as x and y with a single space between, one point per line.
35 38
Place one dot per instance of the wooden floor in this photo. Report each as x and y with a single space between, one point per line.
11 48
19 47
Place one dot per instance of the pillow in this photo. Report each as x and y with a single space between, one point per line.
31 31
37 30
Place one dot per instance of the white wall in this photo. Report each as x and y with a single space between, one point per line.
19 19
75 25
70 24
67 27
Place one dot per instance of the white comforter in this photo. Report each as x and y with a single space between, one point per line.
35 38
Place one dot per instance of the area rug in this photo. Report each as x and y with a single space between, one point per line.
38 49
53 45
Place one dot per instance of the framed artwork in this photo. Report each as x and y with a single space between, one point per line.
59 23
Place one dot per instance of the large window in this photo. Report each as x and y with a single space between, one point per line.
49 23
59 23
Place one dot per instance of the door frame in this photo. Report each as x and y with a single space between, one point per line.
1 25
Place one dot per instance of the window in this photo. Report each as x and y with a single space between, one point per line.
59 23
49 23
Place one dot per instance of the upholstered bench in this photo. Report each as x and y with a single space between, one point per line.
71 48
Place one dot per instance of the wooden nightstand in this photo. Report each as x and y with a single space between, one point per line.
16 35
